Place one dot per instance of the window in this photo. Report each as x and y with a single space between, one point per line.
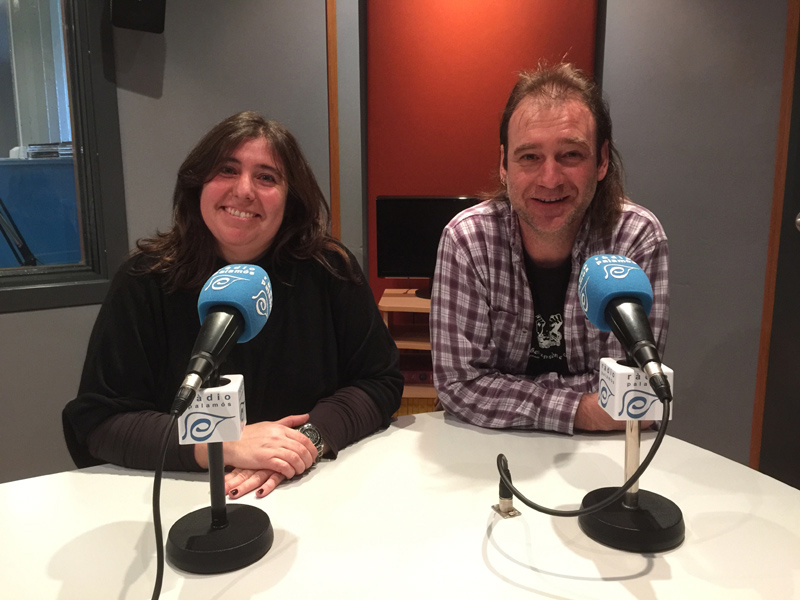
62 208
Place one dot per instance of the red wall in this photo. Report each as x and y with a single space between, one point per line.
438 75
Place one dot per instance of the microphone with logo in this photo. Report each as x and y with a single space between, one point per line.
616 296
233 306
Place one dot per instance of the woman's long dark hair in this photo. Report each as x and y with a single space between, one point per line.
186 253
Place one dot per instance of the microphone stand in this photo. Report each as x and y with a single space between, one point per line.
14 238
218 538
640 521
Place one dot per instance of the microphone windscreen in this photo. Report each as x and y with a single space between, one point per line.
246 288
605 277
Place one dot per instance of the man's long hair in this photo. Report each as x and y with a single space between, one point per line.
555 85
186 253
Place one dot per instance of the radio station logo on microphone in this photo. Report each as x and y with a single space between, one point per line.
217 414
264 298
229 275
614 265
200 426
604 394
583 282
198 423
625 393
637 403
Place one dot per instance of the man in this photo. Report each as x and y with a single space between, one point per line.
511 346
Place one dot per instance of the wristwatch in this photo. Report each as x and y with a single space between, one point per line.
315 436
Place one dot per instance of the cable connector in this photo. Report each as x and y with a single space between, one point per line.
186 394
505 507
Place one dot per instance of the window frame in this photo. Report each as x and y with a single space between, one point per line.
89 49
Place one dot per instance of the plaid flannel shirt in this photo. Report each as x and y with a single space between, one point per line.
482 318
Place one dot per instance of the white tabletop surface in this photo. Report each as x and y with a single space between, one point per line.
407 514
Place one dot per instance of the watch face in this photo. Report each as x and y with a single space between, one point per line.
311 433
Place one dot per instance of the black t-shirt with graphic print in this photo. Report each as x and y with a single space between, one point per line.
548 352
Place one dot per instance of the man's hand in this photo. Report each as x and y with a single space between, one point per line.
590 416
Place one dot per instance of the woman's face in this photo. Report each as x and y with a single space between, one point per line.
243 205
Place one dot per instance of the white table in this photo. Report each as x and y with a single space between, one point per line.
407 514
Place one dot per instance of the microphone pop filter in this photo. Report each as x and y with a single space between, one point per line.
246 288
605 277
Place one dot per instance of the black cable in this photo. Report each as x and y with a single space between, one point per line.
157 511
505 477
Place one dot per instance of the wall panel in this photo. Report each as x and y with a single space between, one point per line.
438 75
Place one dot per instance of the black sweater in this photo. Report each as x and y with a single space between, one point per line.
324 350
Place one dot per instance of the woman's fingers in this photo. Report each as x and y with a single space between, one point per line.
236 477
269 485
246 481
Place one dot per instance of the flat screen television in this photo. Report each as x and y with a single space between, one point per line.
408 229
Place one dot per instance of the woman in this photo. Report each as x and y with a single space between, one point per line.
245 194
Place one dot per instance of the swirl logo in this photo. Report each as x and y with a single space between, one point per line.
264 299
618 271
604 394
201 426
221 281
636 403
582 296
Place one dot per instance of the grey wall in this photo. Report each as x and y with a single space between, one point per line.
40 367
215 59
352 141
694 88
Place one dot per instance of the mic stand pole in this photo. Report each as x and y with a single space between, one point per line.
633 442
216 481
218 539
641 521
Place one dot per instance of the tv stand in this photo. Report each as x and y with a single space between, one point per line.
411 338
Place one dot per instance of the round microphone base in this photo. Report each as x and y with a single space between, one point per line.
655 525
193 545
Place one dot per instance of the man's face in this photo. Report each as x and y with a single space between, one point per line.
553 168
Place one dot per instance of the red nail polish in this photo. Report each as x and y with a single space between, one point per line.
234 492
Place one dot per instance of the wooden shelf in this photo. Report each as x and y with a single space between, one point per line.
419 390
412 337
413 406
417 397
403 301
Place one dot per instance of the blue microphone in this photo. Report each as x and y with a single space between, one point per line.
605 277
233 306
616 296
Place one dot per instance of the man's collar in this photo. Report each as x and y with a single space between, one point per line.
582 240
